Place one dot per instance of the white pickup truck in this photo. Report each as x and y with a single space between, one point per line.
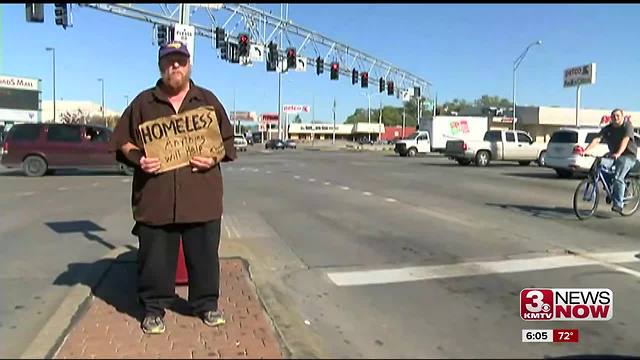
505 145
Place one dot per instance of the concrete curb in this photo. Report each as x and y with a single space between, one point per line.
52 335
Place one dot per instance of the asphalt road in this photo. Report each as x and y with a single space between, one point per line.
321 226
52 230
327 213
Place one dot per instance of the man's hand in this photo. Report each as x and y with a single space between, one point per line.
202 163
150 165
615 156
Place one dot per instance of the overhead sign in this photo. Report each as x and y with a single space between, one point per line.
20 83
294 109
406 95
301 64
256 53
579 75
185 34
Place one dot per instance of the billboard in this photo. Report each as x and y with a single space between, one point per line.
579 75
20 99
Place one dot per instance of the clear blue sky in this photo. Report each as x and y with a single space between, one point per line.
464 50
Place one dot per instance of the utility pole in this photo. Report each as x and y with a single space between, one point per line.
127 98
313 119
103 118
54 81
334 121
184 14
404 119
380 122
577 105
286 17
235 115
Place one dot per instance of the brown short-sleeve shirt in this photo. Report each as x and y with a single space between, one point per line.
180 195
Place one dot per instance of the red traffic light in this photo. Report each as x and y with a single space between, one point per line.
244 38
291 52
334 66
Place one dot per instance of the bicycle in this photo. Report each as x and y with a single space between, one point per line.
587 189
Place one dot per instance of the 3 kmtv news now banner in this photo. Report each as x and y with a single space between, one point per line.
542 304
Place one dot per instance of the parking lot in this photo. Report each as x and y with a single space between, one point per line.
320 226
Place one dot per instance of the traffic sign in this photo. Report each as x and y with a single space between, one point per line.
185 34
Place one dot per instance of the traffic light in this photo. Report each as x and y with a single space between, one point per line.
224 51
163 34
364 80
416 91
34 12
62 15
319 65
234 55
272 57
354 77
243 45
381 84
390 87
291 58
335 70
220 41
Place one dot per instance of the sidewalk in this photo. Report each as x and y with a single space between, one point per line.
110 328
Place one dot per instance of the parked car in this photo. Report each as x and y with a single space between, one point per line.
40 149
274 144
505 145
240 143
365 141
290 144
567 144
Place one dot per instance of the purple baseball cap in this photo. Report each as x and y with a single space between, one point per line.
172 48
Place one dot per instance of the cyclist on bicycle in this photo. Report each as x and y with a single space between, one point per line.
618 136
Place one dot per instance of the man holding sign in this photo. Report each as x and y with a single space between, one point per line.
175 135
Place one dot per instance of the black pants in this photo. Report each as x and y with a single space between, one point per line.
158 258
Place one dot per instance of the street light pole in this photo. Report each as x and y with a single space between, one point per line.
102 84
127 98
368 95
516 63
404 119
53 50
379 122
334 121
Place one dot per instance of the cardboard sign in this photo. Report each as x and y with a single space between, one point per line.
177 138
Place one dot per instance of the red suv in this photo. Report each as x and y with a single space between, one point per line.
40 149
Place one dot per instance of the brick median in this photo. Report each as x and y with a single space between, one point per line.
111 326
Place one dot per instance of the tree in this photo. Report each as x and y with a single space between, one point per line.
455 106
461 105
298 119
359 115
492 101
411 108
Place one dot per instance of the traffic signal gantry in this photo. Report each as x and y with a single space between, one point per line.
231 49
